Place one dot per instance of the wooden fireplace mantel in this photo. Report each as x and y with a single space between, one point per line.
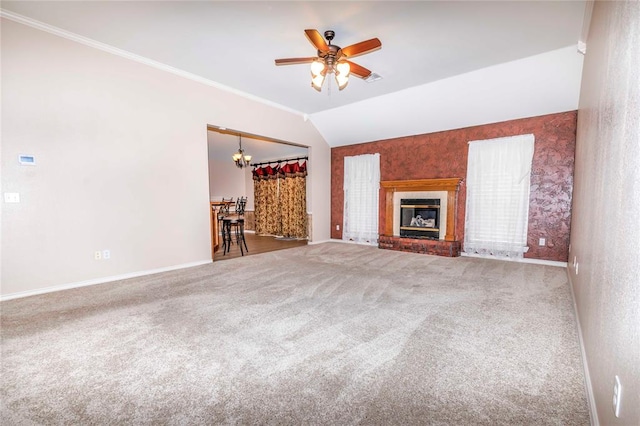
450 185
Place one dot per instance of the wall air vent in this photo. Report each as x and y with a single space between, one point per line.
373 77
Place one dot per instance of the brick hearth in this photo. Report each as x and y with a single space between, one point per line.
414 245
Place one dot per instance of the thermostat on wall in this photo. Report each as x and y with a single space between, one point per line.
28 160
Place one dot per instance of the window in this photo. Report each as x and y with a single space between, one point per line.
498 180
361 191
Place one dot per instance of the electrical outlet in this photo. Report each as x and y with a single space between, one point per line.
97 255
542 241
337 227
617 396
106 254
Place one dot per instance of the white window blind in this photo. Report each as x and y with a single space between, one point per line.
361 190
498 180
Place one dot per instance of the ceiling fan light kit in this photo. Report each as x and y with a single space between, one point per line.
319 70
332 59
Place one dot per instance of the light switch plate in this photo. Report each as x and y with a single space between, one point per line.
11 197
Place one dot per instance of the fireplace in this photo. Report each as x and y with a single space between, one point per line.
420 218
447 243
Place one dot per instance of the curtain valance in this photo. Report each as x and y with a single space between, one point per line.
295 169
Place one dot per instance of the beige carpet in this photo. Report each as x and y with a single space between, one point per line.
324 334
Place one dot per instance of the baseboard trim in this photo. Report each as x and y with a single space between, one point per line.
335 240
103 280
318 242
591 400
523 260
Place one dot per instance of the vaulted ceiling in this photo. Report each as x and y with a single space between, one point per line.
438 59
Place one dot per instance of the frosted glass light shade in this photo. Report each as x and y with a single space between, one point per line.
316 68
316 82
344 68
342 81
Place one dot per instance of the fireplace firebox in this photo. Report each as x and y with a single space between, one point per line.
420 218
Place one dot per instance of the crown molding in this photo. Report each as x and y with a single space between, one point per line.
586 25
137 58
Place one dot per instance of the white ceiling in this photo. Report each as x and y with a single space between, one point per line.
234 43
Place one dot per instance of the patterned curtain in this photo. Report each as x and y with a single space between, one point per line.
267 210
280 198
293 200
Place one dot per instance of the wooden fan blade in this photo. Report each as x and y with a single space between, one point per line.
361 48
358 70
317 40
294 61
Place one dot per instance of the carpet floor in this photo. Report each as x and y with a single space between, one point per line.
322 334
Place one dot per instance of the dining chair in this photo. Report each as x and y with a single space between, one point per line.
234 224
223 209
222 212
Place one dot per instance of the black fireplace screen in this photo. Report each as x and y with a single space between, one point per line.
420 218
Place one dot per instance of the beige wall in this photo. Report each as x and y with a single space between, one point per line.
121 151
605 231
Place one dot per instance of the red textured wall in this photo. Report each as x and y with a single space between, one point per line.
444 155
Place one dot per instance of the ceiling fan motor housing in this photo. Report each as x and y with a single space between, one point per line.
329 35
330 56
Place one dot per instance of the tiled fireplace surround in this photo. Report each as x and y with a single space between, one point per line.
444 155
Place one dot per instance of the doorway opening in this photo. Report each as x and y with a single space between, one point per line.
229 181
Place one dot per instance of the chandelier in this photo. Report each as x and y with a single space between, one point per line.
240 158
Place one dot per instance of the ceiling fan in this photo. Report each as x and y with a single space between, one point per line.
333 59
